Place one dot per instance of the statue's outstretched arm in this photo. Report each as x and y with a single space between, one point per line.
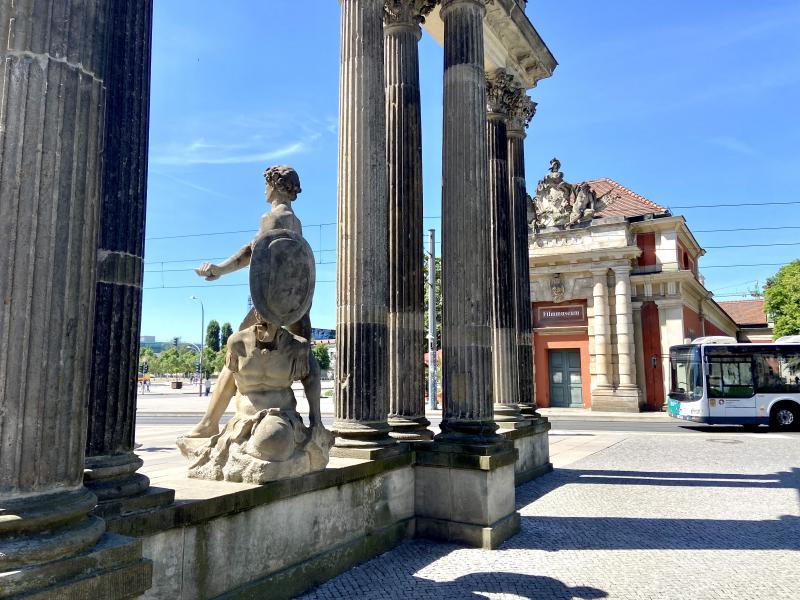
237 261
313 389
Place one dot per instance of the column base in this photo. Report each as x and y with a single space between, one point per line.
44 528
620 399
112 569
509 416
463 432
410 429
119 488
466 497
529 409
365 440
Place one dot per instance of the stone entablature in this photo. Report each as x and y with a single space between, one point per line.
511 42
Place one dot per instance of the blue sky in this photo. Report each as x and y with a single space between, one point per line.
684 102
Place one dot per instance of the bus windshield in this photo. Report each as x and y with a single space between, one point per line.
687 373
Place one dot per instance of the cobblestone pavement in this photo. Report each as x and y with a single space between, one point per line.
659 516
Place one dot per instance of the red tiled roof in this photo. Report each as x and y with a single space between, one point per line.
745 312
622 202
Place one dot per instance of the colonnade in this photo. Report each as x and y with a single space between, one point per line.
486 328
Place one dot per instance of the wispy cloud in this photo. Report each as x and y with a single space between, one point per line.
210 154
732 144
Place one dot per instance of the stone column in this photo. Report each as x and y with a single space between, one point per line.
500 93
402 32
361 425
522 111
624 314
600 325
466 268
51 140
110 462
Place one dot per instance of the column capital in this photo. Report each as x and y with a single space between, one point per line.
409 13
522 111
501 92
622 269
448 4
599 273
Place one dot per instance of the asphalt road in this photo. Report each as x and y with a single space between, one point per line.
563 425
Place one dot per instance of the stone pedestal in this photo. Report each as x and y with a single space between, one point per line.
404 163
111 464
500 94
521 112
467 411
532 446
466 498
361 425
51 145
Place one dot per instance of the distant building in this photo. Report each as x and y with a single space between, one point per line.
613 286
147 339
754 324
323 334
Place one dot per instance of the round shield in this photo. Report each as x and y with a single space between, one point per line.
282 276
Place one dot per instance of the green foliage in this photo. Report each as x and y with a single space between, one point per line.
322 355
438 279
212 335
213 361
224 333
782 299
174 361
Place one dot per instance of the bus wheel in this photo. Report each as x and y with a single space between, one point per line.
785 416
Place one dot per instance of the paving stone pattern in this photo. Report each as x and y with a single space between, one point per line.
661 516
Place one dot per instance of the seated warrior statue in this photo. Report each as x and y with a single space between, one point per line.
282 188
266 439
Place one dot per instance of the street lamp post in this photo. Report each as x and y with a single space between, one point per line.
202 340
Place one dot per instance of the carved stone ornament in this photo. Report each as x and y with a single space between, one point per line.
560 204
501 91
557 288
522 111
407 12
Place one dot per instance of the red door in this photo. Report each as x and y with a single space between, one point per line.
653 373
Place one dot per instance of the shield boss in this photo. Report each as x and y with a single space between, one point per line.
282 276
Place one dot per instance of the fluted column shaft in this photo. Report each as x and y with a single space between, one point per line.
505 376
624 314
404 165
466 268
522 112
601 327
362 256
110 461
53 57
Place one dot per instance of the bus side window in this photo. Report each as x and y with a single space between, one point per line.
731 377
777 371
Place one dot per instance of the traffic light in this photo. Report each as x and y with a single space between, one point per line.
145 368
175 341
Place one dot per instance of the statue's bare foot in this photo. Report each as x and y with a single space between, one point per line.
203 429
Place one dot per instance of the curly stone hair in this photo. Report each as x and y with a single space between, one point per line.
283 178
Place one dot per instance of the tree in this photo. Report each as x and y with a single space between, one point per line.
322 355
212 335
438 284
782 299
146 357
224 333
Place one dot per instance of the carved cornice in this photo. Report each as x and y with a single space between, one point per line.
501 91
521 112
407 12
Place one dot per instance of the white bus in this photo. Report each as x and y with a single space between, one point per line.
720 382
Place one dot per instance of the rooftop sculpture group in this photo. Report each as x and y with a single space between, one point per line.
266 439
561 204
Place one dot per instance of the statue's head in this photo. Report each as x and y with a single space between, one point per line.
555 165
283 180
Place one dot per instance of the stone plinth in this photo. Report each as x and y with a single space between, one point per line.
404 164
466 265
361 425
466 498
533 449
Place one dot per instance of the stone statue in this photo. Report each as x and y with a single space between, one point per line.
560 204
266 439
